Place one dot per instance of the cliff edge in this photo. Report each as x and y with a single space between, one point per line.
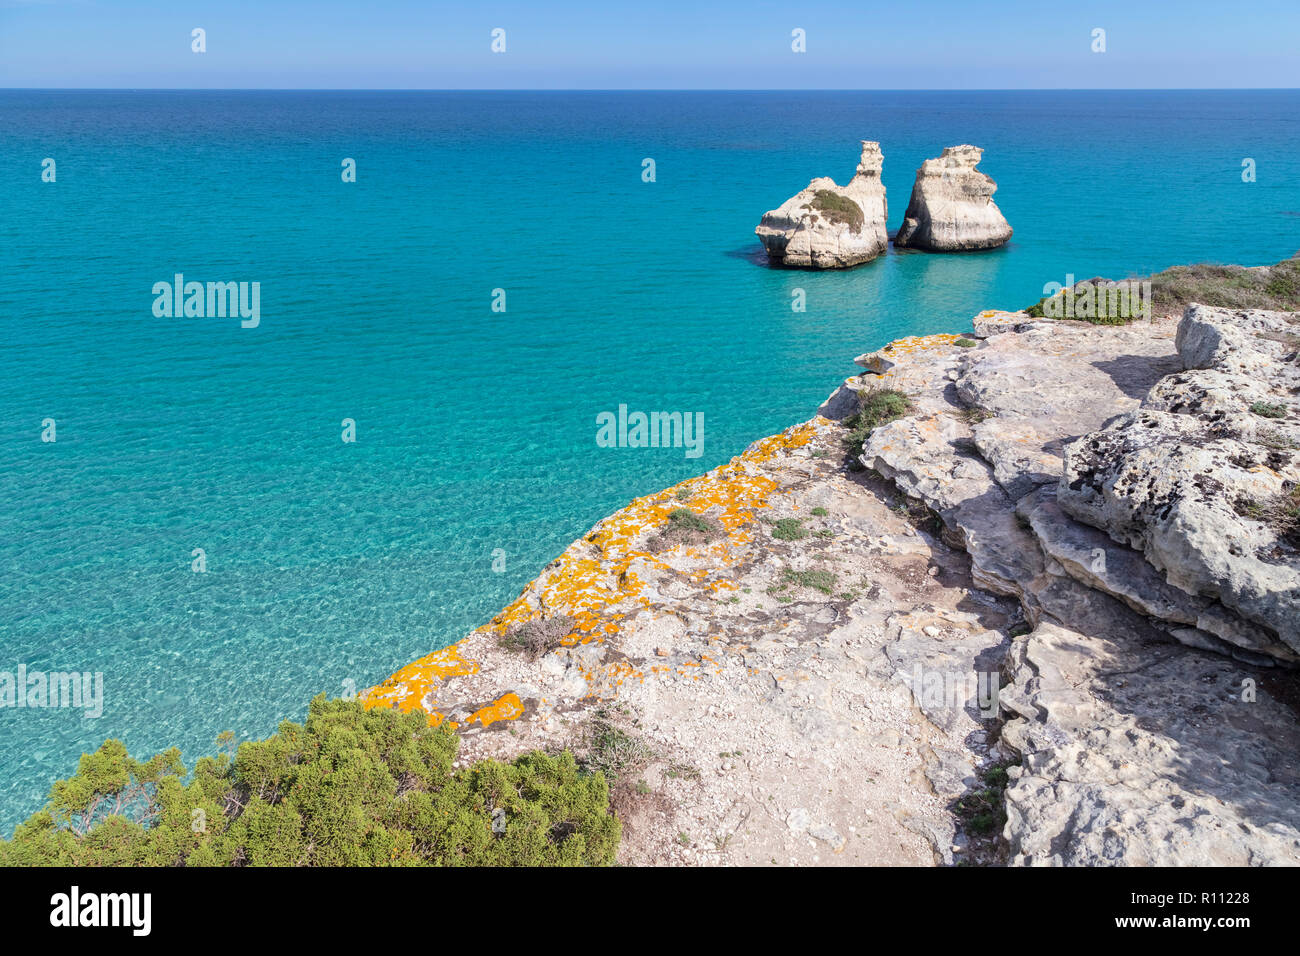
943 646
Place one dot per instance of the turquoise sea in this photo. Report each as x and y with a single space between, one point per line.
329 565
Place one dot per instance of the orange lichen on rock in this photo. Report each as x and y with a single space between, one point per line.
507 707
882 360
605 570
408 687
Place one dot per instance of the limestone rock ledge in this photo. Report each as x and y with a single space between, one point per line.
1134 749
952 207
826 226
1188 478
771 686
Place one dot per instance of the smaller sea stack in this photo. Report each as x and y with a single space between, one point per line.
952 207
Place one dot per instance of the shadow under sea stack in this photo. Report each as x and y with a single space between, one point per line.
827 226
952 208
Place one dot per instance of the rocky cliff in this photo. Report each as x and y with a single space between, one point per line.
952 208
826 226
1135 745
1003 639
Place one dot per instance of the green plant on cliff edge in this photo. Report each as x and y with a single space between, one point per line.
876 407
1224 286
349 787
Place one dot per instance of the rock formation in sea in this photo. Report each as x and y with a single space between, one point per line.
827 226
1050 620
952 208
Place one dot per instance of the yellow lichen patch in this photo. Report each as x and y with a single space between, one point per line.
599 572
507 707
1001 315
882 360
405 689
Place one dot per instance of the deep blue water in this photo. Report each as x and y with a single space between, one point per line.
329 562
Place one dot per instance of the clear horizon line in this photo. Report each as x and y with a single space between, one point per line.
641 89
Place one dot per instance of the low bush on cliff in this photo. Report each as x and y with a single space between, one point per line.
1268 409
1275 287
789 529
684 526
838 209
536 637
876 407
349 787
1098 301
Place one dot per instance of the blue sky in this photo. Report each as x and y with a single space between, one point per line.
615 44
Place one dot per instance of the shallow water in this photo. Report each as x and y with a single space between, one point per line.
329 565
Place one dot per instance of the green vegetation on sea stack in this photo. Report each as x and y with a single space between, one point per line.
350 787
838 208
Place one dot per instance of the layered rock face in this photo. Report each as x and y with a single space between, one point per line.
1137 746
827 226
952 208
1200 478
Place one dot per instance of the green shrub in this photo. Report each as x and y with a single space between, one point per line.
965 343
687 520
789 529
837 208
350 787
1268 410
823 581
876 407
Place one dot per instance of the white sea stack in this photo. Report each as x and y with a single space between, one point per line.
826 226
952 208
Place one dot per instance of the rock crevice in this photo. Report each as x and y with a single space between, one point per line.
1096 474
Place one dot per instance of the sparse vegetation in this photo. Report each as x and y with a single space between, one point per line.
539 636
838 209
1230 287
1268 409
684 526
614 752
965 343
789 529
349 787
1281 514
820 512
983 811
1275 439
876 407
823 581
